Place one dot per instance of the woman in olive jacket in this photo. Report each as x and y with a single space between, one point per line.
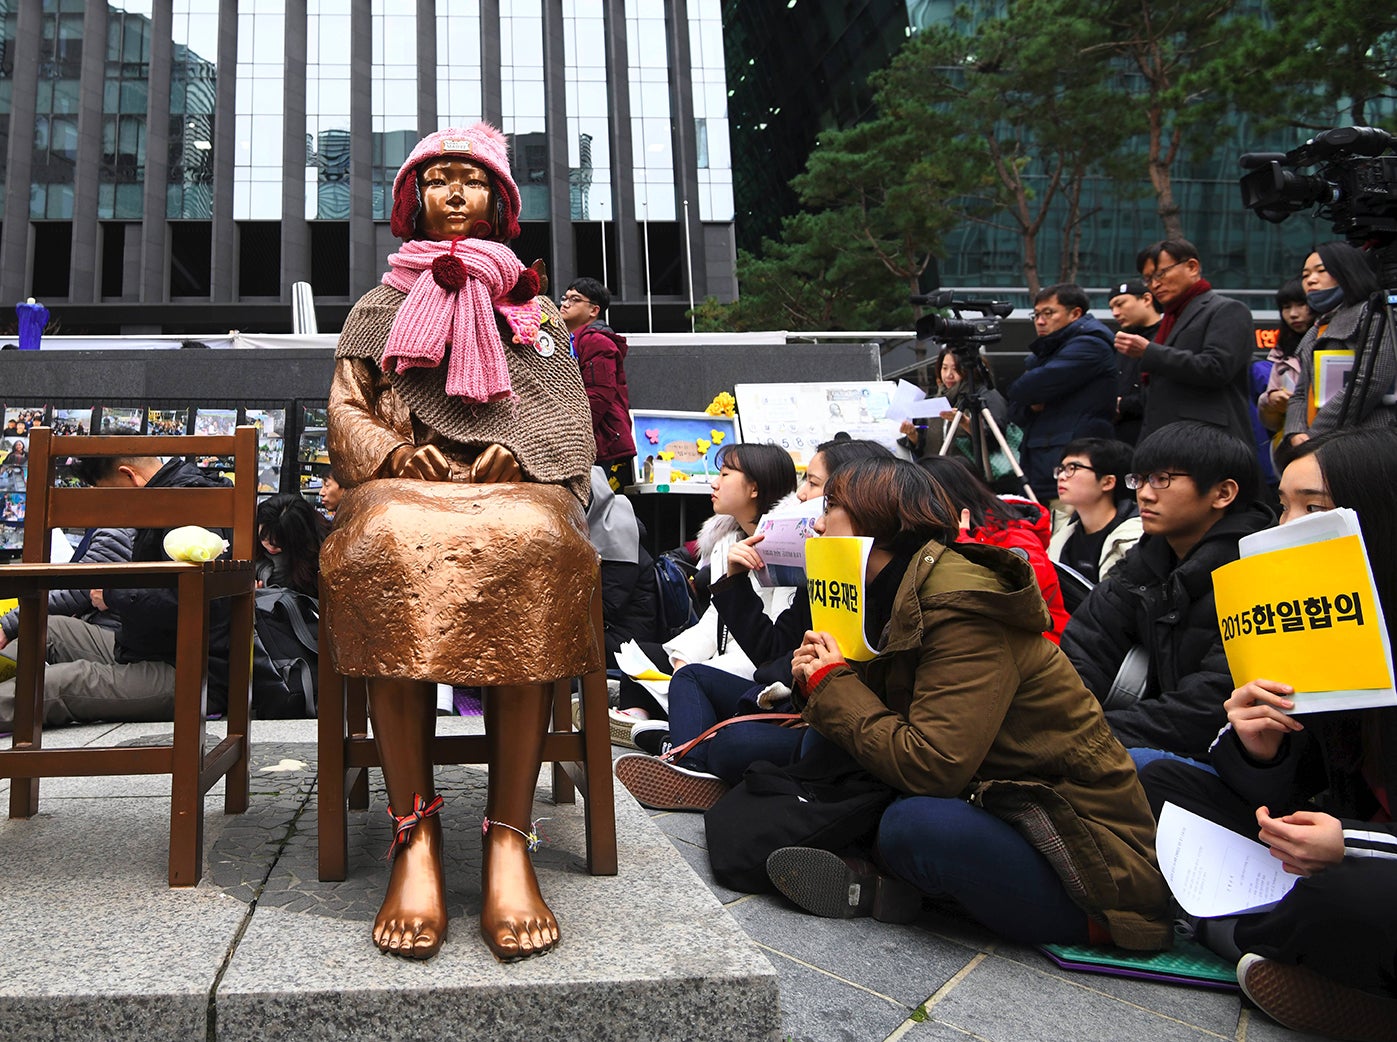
1014 797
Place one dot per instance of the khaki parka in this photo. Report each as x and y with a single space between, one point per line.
966 699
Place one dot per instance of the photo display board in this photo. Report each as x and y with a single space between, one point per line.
800 416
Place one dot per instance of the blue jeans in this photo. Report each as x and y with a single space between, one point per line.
948 848
700 696
1145 757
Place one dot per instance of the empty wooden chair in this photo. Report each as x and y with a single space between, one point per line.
193 771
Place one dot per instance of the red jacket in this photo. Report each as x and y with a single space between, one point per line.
1029 530
601 355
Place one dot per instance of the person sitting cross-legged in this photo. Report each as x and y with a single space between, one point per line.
1197 488
1316 788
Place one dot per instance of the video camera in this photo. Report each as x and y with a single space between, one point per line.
1355 185
934 326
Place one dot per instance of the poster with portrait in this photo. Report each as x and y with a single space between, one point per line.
271 446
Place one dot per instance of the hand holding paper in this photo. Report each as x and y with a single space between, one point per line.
1258 712
1213 871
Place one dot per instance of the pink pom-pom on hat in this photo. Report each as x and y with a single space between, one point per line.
479 143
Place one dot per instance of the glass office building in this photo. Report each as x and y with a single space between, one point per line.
192 159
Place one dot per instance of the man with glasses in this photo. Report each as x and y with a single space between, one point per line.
1195 366
601 354
1197 488
1068 388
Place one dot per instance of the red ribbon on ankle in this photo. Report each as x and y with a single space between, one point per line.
404 824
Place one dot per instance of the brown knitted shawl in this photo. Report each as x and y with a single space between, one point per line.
549 428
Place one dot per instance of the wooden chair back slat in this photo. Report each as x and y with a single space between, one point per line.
48 507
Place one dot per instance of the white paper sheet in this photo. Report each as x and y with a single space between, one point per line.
905 394
929 408
1212 870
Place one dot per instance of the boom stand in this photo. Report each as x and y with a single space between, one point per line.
986 421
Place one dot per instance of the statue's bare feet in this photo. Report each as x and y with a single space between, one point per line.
514 920
412 920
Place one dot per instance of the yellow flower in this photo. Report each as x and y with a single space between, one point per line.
718 436
723 404
703 445
665 455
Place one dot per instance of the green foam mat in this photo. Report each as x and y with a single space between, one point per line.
1188 962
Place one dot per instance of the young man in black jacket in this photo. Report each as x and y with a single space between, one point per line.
1197 488
95 673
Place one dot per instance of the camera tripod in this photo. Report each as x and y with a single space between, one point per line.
973 408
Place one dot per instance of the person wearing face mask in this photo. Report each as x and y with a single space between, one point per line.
1315 788
701 694
1339 283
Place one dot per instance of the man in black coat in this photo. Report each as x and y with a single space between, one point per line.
1197 491
1196 367
1068 387
95 673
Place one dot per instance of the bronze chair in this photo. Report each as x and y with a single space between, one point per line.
193 771
581 759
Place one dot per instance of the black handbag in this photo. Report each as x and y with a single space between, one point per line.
823 800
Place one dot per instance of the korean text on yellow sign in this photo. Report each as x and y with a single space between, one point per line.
834 571
1306 615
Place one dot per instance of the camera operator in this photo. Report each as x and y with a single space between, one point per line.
966 381
1339 283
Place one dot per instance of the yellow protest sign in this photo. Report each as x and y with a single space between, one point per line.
1307 615
9 605
834 573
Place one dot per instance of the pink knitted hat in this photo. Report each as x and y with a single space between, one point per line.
479 143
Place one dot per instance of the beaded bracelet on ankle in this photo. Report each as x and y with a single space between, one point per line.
531 837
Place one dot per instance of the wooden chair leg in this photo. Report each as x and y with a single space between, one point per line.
187 756
563 789
238 781
332 823
356 696
599 806
28 723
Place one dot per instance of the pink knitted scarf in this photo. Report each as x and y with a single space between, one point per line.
452 290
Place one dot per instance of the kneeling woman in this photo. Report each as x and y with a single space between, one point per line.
1015 800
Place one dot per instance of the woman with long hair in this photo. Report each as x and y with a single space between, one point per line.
700 695
1317 790
1340 286
752 479
980 726
289 534
1297 318
963 375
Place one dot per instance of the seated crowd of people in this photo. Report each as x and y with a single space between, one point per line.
1044 680
971 716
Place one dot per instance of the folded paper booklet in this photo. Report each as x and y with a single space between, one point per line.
783 542
1300 606
835 567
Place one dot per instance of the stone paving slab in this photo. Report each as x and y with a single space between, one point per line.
262 950
617 974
